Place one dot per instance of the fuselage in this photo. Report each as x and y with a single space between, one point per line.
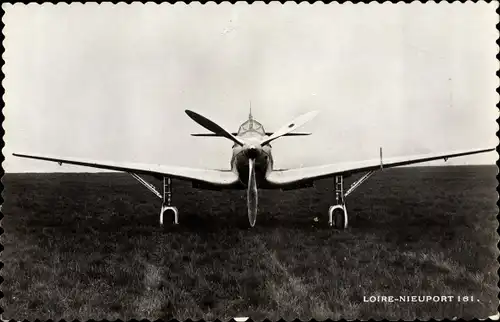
252 133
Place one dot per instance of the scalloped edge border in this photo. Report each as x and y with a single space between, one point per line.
299 2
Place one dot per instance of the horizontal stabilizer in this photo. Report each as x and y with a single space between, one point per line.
293 134
210 134
235 134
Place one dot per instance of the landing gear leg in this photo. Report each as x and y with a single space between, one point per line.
166 206
337 214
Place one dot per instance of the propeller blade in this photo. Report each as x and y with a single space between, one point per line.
252 195
213 127
291 126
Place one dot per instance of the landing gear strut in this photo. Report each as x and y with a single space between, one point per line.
166 206
337 214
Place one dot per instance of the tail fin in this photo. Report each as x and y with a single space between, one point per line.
250 117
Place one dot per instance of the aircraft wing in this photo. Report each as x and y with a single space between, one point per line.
214 177
301 175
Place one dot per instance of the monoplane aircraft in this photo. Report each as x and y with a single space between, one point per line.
252 168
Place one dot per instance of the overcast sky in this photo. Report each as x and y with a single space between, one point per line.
111 82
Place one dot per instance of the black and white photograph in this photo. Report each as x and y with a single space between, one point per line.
250 161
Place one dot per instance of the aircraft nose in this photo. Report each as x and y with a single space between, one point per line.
252 152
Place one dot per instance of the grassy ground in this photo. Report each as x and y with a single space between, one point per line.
80 246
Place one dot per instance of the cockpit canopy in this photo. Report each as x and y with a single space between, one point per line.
251 126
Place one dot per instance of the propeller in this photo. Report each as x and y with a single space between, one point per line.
252 195
291 126
213 127
252 151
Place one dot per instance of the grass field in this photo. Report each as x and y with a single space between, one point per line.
81 246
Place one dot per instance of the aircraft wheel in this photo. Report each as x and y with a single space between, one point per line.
169 216
338 217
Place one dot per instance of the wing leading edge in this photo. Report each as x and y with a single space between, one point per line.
299 175
214 177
